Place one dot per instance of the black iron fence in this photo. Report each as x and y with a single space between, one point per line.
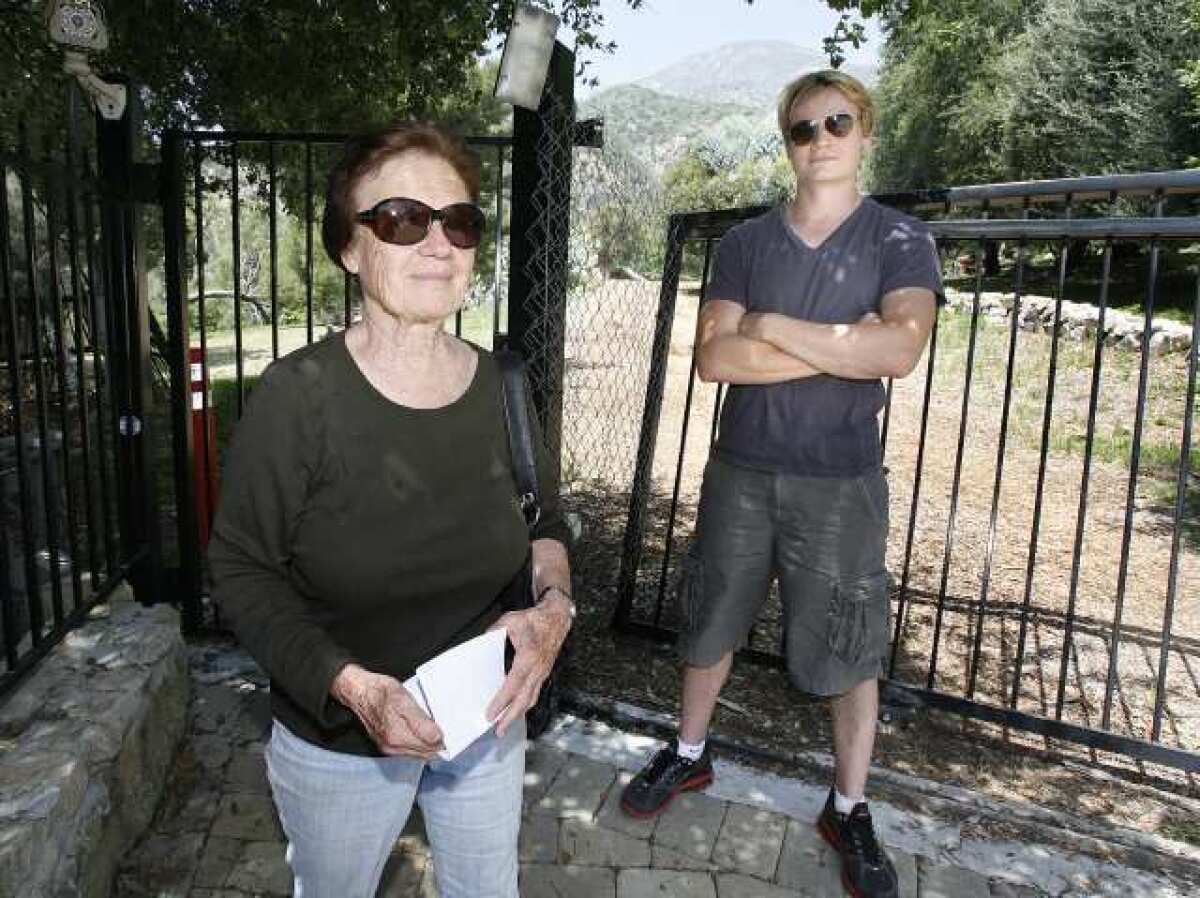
72 476
1045 542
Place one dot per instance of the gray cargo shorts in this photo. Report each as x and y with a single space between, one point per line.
824 538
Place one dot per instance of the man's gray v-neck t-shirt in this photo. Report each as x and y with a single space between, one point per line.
820 426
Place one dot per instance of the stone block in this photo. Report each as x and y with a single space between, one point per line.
248 817
219 856
735 885
943 881
578 790
690 825
1004 889
906 872
586 844
161 866
542 764
807 864
750 841
664 884
612 817
552 881
247 772
402 875
663 858
539 840
262 870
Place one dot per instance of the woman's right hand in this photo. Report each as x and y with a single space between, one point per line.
392 718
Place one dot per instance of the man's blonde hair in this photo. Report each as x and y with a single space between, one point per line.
849 86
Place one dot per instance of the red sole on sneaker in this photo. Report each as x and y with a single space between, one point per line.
693 785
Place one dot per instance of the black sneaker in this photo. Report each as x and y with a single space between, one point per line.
667 774
867 871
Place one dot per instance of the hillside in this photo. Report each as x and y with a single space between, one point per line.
726 94
745 73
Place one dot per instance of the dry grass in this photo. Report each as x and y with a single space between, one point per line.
988 560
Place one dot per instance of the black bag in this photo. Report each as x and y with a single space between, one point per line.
518 595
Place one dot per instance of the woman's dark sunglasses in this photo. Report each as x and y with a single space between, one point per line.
404 222
805 132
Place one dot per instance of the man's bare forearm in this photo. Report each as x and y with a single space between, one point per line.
734 359
864 350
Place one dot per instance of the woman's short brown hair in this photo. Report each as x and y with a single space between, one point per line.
364 154
848 85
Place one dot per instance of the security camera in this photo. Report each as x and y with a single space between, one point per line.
78 27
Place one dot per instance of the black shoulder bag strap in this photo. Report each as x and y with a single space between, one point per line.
520 434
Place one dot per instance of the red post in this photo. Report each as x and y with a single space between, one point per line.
204 439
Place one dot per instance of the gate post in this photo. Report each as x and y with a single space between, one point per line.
129 347
183 445
539 237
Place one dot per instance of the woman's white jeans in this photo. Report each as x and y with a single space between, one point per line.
342 814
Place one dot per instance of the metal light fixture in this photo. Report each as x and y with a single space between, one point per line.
78 26
526 57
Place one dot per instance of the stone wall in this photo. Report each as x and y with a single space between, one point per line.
85 744
1079 321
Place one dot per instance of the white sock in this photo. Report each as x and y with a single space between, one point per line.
689 751
844 805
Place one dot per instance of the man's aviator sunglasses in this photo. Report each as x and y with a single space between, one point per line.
404 222
805 132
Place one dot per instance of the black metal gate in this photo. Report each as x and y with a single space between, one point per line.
76 485
1045 572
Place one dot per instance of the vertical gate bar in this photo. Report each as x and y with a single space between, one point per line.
308 242
49 496
1181 488
272 219
235 213
889 389
1043 454
990 551
716 416
100 373
964 417
16 389
206 461
174 216
499 243
639 495
1135 459
1081 515
687 411
64 410
901 604
81 397
8 598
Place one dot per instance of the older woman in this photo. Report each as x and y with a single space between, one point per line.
368 522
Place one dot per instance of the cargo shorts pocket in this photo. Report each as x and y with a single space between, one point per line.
690 587
858 613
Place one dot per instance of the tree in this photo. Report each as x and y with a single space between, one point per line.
1097 88
990 90
284 65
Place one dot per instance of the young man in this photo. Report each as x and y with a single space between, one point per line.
809 306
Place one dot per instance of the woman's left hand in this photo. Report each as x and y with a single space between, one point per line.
537 635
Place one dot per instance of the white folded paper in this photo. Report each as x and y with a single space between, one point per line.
455 688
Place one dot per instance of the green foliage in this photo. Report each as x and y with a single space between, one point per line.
695 183
285 65
991 90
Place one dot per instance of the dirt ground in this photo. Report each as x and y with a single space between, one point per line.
979 547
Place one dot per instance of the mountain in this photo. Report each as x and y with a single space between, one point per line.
748 73
655 127
725 94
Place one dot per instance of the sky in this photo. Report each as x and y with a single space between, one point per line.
665 31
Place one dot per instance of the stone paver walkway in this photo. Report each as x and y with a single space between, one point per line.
217 835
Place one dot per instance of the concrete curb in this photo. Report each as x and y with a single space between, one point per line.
1142 851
